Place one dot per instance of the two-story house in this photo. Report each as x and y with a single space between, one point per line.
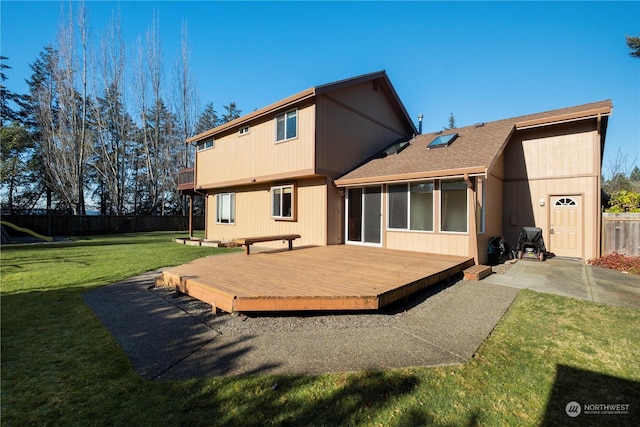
272 171
342 163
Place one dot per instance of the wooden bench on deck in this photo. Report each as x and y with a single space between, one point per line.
248 241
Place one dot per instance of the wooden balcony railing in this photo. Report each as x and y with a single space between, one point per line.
186 179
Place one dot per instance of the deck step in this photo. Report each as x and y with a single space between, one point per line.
477 272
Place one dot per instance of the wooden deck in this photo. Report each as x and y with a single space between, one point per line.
339 277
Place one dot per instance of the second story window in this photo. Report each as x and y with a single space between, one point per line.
206 144
286 126
244 130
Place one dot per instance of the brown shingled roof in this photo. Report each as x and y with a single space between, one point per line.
472 152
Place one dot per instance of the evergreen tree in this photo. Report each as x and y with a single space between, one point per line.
8 113
232 113
207 120
452 121
18 168
634 44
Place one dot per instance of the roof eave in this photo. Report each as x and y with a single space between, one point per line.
564 118
269 109
406 177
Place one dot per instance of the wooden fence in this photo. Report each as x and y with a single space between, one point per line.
621 233
73 225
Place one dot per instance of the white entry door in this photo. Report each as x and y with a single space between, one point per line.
566 226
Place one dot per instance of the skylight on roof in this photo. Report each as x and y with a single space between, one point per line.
442 141
396 147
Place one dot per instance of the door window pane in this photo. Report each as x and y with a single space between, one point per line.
372 214
354 221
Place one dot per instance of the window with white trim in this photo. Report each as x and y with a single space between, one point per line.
226 208
282 202
410 206
287 126
453 206
206 144
244 130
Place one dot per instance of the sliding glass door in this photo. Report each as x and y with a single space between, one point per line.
364 215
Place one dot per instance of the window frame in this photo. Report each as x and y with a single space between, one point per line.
405 208
282 187
442 207
244 130
408 206
205 145
232 208
442 141
285 116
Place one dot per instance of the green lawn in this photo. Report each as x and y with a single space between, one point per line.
61 367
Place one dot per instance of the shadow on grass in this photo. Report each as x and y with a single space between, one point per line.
60 364
363 398
590 390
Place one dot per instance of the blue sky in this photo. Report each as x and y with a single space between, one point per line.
480 61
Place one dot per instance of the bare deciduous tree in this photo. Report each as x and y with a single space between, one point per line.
156 168
186 106
64 128
113 126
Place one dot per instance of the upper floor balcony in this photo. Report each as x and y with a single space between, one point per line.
186 179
